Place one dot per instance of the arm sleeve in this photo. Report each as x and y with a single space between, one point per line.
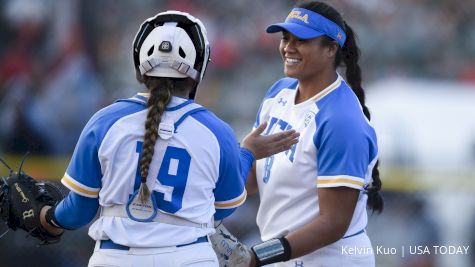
230 191
246 160
75 211
343 156
84 174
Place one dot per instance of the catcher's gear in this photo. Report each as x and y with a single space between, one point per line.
229 250
21 200
172 44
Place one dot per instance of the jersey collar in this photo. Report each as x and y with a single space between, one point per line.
175 103
327 90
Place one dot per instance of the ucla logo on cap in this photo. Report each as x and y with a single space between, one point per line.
296 15
315 25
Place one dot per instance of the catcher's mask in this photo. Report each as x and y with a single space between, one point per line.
172 44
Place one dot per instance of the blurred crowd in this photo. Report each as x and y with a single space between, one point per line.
63 60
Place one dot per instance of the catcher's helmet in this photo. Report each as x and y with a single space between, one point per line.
172 44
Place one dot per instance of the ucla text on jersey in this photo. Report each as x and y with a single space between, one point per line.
337 147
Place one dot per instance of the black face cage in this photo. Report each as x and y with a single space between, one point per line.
190 27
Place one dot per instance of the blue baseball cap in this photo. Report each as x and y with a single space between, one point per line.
306 24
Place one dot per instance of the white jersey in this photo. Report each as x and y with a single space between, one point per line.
337 147
191 174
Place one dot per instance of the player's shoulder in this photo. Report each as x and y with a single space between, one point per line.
282 84
339 102
218 127
103 119
341 109
121 107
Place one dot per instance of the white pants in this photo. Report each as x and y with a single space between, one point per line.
355 251
196 255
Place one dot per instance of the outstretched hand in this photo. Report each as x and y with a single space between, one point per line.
263 146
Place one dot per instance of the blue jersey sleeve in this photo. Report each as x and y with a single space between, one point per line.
345 151
84 174
75 211
246 159
230 191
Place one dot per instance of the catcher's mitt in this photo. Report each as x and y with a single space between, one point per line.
21 200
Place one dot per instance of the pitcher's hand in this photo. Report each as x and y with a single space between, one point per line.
263 146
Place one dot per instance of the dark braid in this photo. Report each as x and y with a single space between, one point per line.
350 55
161 91
160 96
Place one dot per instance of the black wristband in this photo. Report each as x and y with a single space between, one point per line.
50 219
274 250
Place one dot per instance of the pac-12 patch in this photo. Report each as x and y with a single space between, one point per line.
308 118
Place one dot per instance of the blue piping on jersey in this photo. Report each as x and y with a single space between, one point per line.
179 105
140 99
186 114
355 234
133 100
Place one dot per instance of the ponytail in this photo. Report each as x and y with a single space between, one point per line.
160 96
350 54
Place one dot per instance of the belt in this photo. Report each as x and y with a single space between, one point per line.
162 217
108 244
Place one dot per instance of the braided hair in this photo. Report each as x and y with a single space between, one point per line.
350 55
161 91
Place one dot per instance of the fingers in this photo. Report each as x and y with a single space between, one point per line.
290 140
279 136
266 145
260 129
282 141
283 137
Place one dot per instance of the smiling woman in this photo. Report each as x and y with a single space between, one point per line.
313 197
307 61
